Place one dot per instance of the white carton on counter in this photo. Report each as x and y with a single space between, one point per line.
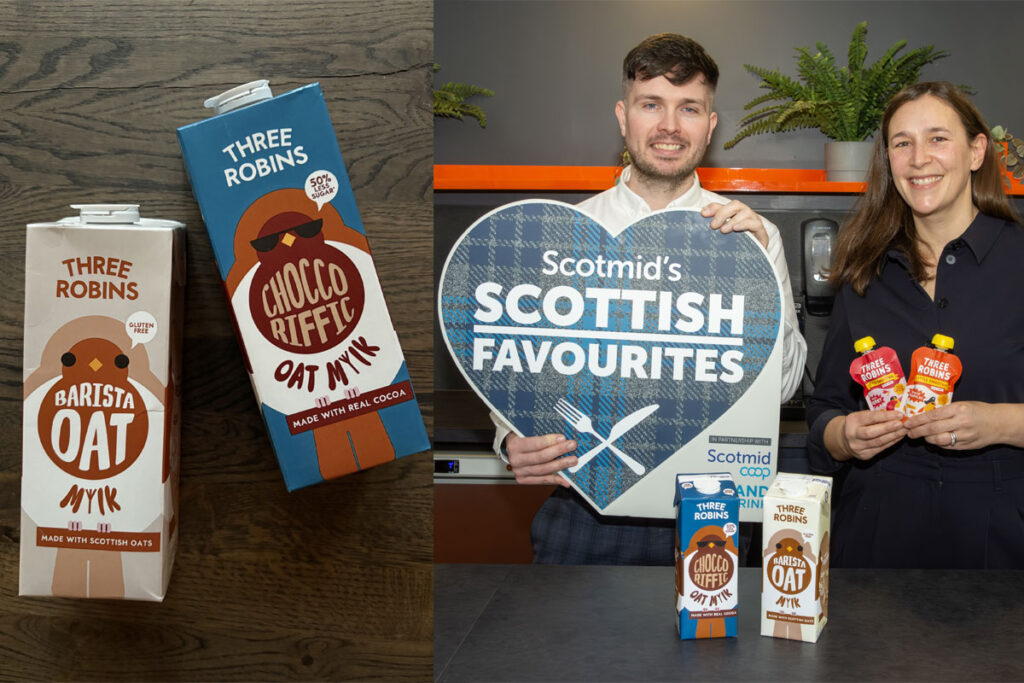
794 586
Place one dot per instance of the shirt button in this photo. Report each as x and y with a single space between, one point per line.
942 303
950 259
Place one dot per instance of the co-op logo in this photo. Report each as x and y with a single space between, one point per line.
757 472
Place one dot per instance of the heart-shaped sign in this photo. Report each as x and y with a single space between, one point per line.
653 348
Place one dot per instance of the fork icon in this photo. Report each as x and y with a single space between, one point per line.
582 423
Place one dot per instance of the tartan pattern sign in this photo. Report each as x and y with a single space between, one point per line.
633 344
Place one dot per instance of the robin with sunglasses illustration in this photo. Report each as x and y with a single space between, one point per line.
305 295
278 228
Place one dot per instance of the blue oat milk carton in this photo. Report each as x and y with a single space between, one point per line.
323 356
707 522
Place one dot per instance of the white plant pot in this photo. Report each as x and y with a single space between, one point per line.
848 161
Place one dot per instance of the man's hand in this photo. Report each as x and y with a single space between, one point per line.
736 216
864 434
538 459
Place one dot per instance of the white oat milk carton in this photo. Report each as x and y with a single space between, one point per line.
324 359
794 579
104 295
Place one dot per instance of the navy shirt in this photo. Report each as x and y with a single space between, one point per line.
979 302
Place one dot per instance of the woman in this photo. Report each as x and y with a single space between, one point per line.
934 246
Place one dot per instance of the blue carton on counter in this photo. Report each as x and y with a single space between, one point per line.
322 353
707 523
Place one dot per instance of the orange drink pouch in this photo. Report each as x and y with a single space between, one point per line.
933 372
879 372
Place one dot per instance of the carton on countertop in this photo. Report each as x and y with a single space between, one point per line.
322 354
795 541
104 296
707 521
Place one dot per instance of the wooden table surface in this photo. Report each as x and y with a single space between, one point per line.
330 582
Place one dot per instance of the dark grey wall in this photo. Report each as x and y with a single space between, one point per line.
555 67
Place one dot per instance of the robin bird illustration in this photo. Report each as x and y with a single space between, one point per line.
306 295
94 425
710 561
93 422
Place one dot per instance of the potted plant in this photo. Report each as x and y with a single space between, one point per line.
450 101
1011 156
845 102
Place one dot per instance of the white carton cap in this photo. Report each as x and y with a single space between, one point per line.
793 488
707 485
239 96
108 213
793 485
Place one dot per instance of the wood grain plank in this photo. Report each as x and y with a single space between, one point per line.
333 582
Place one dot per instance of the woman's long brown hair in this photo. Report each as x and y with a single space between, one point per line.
881 220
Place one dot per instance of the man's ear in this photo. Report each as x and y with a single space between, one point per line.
714 122
620 114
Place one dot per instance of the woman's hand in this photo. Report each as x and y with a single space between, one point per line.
864 434
975 425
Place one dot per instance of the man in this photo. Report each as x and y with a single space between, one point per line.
666 118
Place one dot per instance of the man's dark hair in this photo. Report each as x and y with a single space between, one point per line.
671 55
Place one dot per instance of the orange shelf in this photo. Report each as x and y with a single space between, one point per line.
463 177
536 178
467 178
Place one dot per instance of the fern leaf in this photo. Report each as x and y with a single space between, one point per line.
761 99
450 101
766 112
476 112
464 90
858 51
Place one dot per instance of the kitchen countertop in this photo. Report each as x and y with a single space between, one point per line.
575 623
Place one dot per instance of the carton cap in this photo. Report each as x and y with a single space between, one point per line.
707 485
239 96
793 488
800 486
108 213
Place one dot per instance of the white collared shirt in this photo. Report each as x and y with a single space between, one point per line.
619 207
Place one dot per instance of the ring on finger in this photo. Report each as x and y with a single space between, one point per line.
952 439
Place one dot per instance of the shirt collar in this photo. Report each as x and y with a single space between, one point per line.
638 205
979 236
982 234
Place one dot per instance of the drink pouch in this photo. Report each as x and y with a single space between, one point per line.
933 372
879 372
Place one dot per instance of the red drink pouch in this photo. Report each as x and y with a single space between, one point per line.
879 372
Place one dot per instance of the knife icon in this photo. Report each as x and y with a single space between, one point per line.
621 427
